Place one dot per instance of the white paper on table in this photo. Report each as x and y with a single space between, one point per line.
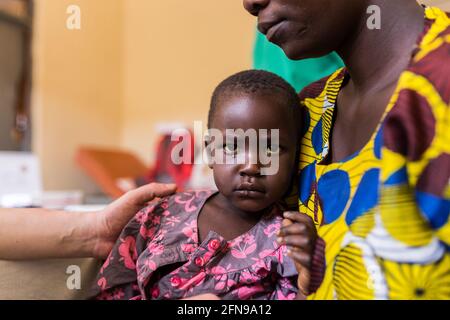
21 184
19 173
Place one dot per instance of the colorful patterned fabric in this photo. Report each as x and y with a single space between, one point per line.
158 256
384 211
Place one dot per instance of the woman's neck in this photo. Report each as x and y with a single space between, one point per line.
375 58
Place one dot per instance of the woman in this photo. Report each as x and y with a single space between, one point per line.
375 163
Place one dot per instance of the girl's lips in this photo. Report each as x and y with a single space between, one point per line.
249 193
247 190
246 186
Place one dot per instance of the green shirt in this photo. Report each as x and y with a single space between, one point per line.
269 57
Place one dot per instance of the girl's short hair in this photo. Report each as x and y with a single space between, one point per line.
255 82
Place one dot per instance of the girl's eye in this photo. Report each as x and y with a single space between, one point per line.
273 150
230 148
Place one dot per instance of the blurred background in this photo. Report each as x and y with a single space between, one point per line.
90 90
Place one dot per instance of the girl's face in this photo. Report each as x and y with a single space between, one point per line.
243 184
307 28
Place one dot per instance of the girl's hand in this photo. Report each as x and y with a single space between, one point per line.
299 235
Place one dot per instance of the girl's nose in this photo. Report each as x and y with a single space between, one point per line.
250 168
255 6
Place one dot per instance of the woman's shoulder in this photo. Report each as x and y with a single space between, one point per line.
416 124
430 65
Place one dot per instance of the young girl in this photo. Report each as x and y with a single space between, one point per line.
226 242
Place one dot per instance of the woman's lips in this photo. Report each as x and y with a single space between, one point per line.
273 32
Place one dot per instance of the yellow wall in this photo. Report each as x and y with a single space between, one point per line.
444 4
77 86
176 52
133 64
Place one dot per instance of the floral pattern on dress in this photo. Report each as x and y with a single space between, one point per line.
158 256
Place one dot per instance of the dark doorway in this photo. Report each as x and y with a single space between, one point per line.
15 74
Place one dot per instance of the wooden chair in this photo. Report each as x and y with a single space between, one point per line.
106 166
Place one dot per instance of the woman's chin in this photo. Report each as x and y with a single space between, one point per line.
301 49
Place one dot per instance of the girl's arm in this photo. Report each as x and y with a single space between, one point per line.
41 233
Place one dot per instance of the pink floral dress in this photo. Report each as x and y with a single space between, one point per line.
158 256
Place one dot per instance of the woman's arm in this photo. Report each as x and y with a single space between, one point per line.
41 233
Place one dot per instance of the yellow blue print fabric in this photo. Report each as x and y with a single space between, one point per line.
384 211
